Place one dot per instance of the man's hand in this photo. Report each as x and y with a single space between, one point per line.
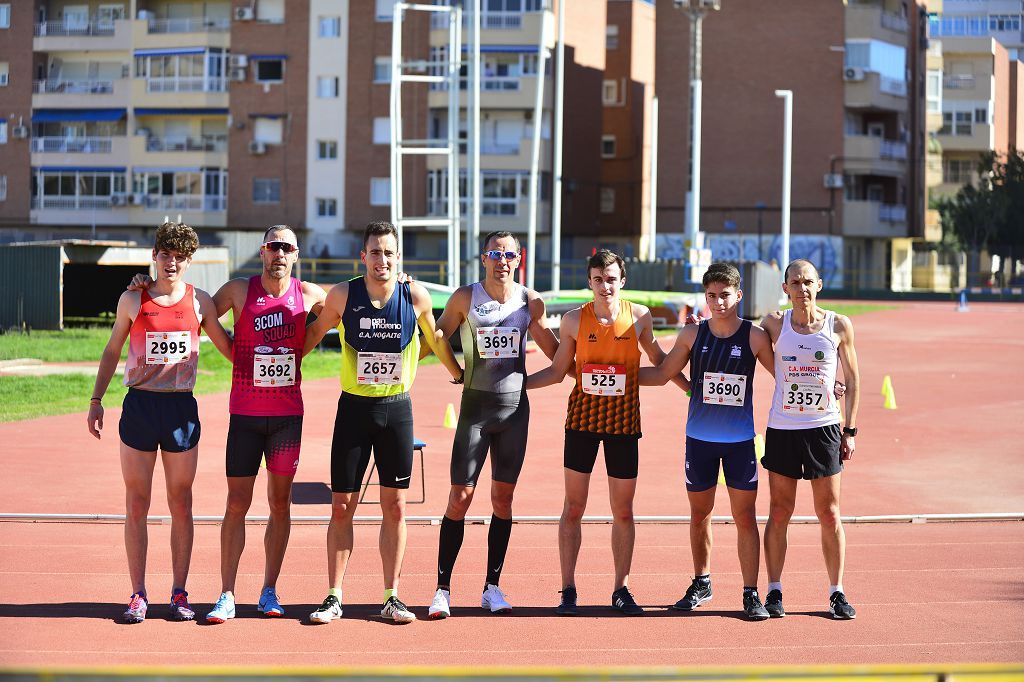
847 447
839 389
404 277
95 418
140 282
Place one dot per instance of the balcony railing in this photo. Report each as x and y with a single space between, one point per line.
494 21
75 28
488 83
892 86
206 143
894 22
189 25
186 84
499 149
73 203
893 150
72 145
73 87
437 206
184 202
892 213
962 82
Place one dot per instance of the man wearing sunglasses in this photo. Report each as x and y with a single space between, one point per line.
265 407
493 317
380 348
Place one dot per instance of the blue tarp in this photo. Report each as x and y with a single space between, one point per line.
55 115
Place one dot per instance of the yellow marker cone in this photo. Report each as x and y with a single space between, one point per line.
890 399
449 417
886 385
758 446
721 476
263 462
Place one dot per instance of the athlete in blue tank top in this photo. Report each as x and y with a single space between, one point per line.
720 428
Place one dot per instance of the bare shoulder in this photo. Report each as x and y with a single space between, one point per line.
640 310
129 303
687 335
570 323
310 289
758 332
843 326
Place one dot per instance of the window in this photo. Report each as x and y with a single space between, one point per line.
382 70
269 70
266 190
611 39
607 200
610 93
981 115
326 149
3 132
1004 22
380 191
933 91
4 71
957 171
385 10
608 146
327 208
330 27
268 130
962 123
5 22
382 130
3 188
270 11
327 87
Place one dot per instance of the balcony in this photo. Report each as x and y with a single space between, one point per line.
875 91
872 21
189 25
496 28
498 92
201 152
874 219
182 202
72 145
186 84
869 155
180 92
972 137
101 151
152 33
89 94
489 21
501 156
60 36
958 82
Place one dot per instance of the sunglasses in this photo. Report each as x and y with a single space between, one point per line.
281 246
498 255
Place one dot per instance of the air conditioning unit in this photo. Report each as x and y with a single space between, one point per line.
3 79
19 132
257 147
239 75
853 73
238 61
138 198
118 199
833 180
244 14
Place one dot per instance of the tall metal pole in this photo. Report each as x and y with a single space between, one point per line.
473 141
396 119
454 61
556 190
652 221
538 104
787 170
696 92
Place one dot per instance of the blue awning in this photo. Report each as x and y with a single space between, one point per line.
267 115
82 169
162 51
516 49
149 111
268 56
55 115
166 169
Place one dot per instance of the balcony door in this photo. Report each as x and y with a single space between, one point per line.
106 15
76 17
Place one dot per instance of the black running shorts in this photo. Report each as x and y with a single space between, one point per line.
382 426
621 453
496 421
803 453
250 439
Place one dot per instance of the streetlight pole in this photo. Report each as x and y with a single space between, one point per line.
787 170
760 227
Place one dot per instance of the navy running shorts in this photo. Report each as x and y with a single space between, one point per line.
165 420
738 462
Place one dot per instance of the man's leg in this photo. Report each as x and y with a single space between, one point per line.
780 510
570 536
748 541
137 469
232 530
392 535
340 536
500 530
620 495
179 474
452 532
279 528
702 504
833 538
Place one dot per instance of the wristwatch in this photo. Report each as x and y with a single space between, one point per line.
850 431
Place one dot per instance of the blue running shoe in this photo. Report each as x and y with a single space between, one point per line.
269 605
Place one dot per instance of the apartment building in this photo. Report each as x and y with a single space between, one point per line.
15 110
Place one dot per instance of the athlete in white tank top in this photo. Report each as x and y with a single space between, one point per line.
805 372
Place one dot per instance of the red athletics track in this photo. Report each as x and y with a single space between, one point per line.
933 592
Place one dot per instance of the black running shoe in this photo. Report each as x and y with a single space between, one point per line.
696 594
752 607
623 602
568 605
840 608
773 604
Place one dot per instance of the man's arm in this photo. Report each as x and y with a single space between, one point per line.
127 310
673 363
851 372
454 313
645 335
772 323
565 355
761 347
313 297
425 318
330 316
539 330
211 323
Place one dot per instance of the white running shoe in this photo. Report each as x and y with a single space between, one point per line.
441 606
328 611
494 599
395 610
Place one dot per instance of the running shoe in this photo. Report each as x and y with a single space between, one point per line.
137 607
328 611
568 605
441 606
494 599
753 609
773 604
840 608
269 605
623 602
395 610
180 609
223 610
696 594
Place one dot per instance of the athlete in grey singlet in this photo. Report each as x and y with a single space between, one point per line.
493 317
